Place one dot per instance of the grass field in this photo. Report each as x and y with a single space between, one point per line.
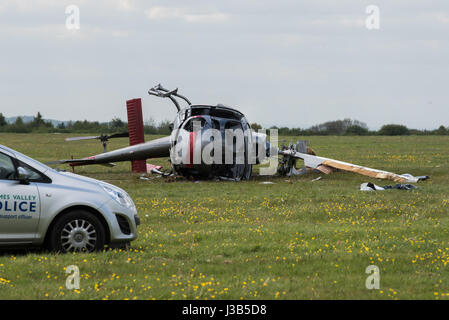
294 239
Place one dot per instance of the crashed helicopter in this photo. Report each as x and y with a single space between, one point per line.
216 141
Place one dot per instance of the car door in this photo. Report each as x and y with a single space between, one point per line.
19 204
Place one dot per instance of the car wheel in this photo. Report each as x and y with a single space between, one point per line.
77 231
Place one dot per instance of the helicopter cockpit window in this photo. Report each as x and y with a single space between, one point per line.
215 124
190 126
233 125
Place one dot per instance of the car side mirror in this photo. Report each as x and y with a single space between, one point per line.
23 175
171 126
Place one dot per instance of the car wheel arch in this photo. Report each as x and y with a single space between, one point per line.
91 210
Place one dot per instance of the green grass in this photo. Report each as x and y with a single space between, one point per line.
295 239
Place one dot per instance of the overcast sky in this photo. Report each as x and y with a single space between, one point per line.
287 62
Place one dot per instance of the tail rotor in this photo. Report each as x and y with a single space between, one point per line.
103 138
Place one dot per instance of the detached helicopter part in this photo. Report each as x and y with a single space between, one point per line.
301 150
327 165
103 138
287 164
151 168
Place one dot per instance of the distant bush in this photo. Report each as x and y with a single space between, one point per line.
356 130
19 126
442 131
394 130
337 127
2 120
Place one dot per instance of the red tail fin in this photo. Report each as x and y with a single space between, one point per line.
136 133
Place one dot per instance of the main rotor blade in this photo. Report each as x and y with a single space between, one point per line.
316 162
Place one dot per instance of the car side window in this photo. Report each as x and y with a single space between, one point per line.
33 174
7 168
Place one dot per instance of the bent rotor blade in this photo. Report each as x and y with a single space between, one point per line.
317 162
169 93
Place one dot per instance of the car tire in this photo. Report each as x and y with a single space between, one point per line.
77 231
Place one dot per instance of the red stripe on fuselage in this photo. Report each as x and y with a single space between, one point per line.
192 140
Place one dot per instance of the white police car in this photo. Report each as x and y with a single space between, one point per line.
40 206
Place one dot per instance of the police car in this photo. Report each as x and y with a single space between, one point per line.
65 212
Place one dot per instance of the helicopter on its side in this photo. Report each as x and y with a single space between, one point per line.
188 140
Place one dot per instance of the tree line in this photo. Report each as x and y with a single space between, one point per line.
116 125
353 128
337 127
